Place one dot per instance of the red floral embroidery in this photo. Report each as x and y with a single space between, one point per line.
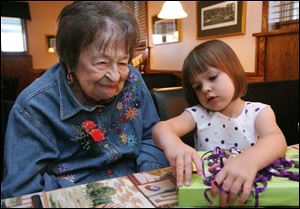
123 119
88 125
88 136
109 172
97 135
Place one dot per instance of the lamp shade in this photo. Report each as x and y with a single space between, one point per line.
172 10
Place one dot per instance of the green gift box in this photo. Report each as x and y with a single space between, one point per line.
280 191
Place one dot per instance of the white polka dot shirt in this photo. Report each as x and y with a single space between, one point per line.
215 129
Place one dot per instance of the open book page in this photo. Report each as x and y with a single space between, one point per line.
149 189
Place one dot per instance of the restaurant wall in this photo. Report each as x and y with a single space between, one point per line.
171 56
162 57
42 23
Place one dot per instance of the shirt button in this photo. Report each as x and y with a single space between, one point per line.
109 172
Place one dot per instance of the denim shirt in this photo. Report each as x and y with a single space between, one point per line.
42 150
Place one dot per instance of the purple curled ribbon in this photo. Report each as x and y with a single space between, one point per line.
277 168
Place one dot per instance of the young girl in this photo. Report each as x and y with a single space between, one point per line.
214 82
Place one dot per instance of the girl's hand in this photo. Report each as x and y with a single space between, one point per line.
181 156
236 176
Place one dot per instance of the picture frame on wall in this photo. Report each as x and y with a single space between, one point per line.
50 39
165 31
220 18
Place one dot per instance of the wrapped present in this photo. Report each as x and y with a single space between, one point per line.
276 185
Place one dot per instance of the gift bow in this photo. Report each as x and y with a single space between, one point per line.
277 168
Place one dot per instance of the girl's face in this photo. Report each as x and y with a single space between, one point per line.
214 89
102 76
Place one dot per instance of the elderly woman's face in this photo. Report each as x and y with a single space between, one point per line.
102 76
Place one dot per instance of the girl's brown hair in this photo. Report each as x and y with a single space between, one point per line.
216 54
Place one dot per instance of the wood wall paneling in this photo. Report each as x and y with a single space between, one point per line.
282 57
277 55
19 67
277 49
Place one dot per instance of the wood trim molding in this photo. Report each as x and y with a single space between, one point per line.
274 33
175 72
251 76
265 12
259 74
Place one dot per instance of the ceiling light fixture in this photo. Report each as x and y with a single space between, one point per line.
172 10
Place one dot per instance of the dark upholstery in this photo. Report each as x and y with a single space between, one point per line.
170 102
282 96
166 99
9 87
160 80
5 109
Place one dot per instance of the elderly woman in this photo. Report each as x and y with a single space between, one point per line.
87 118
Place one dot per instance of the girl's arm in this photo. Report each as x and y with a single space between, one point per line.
239 173
166 135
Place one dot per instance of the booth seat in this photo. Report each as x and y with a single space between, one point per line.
283 97
9 87
6 106
160 80
170 102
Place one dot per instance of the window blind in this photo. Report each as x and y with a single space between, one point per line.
140 12
283 11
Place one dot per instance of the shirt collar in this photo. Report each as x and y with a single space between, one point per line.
69 105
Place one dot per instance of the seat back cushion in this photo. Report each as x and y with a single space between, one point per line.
283 97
